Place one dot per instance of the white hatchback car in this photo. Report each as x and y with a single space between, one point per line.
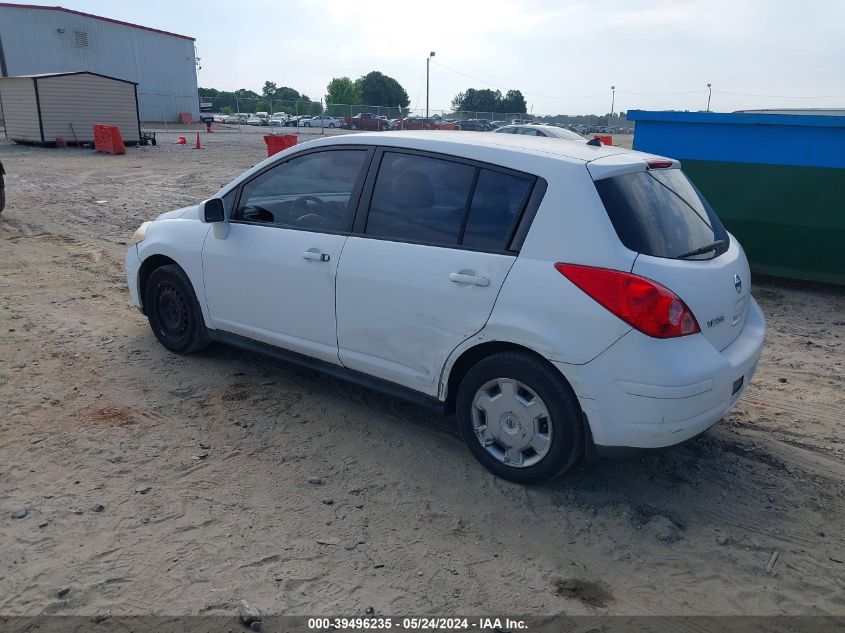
556 297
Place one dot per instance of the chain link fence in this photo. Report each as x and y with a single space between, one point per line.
235 110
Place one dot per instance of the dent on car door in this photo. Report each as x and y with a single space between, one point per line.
422 270
271 275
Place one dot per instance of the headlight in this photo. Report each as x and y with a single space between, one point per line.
140 234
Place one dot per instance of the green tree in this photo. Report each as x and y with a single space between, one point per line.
473 100
514 102
343 90
262 106
226 110
243 93
486 100
269 90
378 89
314 108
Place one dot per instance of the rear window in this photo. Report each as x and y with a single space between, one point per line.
661 213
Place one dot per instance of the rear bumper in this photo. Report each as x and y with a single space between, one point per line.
648 393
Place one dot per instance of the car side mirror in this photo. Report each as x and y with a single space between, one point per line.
212 211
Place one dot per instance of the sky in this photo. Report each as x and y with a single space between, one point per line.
563 55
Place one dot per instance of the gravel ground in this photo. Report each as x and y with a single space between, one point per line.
134 481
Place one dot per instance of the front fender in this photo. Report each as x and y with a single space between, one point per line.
180 240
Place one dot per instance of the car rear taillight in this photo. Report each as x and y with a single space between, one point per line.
642 303
660 164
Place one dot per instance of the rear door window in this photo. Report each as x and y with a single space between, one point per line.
496 205
419 199
660 213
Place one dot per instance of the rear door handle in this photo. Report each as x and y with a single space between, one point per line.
461 278
315 255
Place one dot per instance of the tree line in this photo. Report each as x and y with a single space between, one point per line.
374 89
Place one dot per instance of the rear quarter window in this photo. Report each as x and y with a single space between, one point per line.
661 213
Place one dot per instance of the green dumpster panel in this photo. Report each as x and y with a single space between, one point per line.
790 220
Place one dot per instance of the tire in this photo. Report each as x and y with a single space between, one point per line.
306 124
173 311
331 124
556 427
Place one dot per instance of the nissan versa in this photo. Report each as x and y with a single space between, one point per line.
556 296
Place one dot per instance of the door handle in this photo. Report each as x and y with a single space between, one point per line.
315 255
462 278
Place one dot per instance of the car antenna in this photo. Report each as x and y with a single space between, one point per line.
595 141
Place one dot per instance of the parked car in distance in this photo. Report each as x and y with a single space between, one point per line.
625 321
473 125
497 124
263 115
520 121
255 120
539 130
446 124
322 121
417 123
277 119
365 121
231 119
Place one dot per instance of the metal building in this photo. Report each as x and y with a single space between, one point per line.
43 108
36 40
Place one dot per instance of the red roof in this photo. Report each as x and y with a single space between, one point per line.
96 17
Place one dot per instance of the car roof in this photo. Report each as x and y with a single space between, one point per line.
453 141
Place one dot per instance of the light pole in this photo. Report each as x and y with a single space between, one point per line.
427 60
612 101
709 92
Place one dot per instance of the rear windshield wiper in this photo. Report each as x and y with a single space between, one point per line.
701 250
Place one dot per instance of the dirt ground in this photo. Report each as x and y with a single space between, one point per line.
159 484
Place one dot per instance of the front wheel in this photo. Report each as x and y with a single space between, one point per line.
519 418
331 124
307 124
173 311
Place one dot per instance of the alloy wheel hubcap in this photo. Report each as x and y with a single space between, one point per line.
511 422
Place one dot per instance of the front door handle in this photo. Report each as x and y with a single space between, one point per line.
315 255
462 278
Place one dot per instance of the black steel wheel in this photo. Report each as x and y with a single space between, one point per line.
173 311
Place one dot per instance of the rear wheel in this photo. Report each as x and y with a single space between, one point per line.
519 418
173 311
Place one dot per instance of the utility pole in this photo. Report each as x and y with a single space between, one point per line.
709 92
612 101
427 60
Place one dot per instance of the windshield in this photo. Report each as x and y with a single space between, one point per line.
661 213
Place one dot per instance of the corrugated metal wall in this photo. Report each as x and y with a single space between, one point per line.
46 41
19 96
83 100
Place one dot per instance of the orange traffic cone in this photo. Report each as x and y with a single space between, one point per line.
198 145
